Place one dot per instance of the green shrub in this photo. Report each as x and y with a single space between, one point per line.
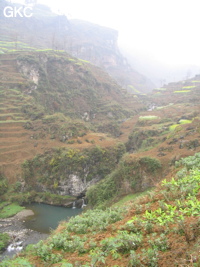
45 253
160 243
95 162
94 220
122 243
4 240
127 176
151 164
3 186
68 243
141 138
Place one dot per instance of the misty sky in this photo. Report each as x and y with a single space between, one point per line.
164 30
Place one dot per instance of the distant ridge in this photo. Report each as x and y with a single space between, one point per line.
81 39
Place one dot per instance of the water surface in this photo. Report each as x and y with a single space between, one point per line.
47 217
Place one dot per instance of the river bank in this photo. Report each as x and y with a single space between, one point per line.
20 236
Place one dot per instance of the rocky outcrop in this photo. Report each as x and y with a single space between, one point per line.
82 39
99 45
31 72
74 186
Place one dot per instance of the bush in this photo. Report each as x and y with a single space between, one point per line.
45 253
95 162
3 186
126 177
122 243
151 164
4 240
18 262
94 220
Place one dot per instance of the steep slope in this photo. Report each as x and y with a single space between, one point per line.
154 139
160 228
168 131
49 99
81 39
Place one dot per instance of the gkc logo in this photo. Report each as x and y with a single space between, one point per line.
13 12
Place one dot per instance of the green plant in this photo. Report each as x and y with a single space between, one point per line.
150 257
45 253
18 262
10 210
142 118
97 256
4 240
160 243
134 259
122 243
152 164
94 220
188 185
3 186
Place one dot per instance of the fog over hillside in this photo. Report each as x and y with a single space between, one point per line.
157 71
158 38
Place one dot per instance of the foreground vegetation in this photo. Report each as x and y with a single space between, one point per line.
161 228
4 241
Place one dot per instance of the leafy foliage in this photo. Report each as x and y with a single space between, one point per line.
91 163
94 220
4 240
140 241
127 176
18 262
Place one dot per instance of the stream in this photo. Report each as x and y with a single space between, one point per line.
32 225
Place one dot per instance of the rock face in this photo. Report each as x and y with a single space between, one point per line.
31 72
81 39
74 186
101 48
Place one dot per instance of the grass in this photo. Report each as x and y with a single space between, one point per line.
172 127
86 61
10 210
130 198
185 121
170 104
133 89
182 91
8 46
195 81
188 87
144 118
10 121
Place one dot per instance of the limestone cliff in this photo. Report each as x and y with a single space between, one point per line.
82 39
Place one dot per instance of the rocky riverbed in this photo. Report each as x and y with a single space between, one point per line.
20 236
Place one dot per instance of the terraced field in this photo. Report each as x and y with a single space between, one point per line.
19 142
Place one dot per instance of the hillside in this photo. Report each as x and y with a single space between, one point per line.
76 129
50 99
81 39
156 228
157 138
